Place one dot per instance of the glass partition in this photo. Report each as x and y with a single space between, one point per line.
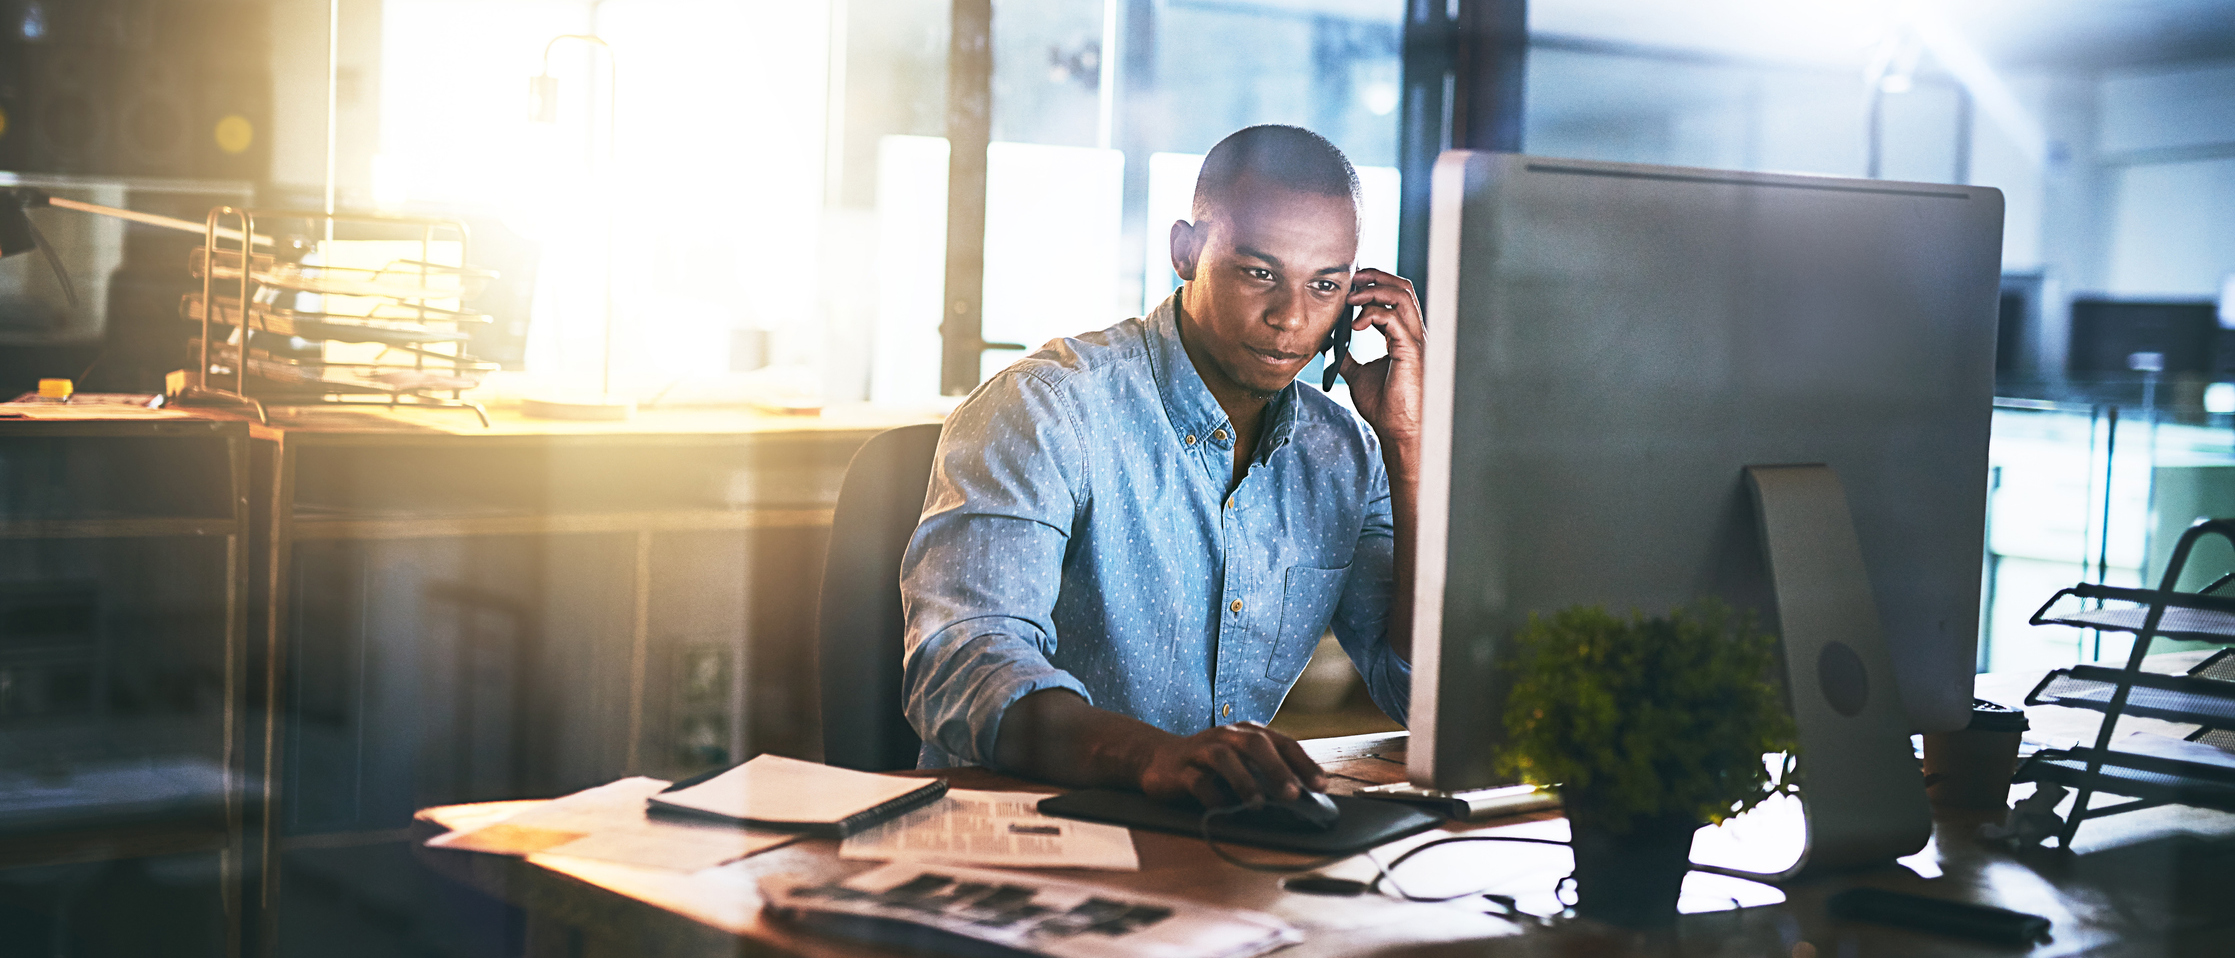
2094 482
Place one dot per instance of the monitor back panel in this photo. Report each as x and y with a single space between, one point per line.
1612 344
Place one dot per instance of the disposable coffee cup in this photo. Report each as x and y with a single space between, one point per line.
1972 768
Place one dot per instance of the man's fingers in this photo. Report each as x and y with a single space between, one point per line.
1299 762
1259 749
1381 277
1393 312
1229 766
1204 786
1389 303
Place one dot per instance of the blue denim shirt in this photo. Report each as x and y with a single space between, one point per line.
1077 534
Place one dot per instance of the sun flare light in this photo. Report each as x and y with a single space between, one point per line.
714 174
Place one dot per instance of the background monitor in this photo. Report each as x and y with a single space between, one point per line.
2119 339
1613 344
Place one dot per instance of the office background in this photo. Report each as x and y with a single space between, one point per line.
2110 130
772 198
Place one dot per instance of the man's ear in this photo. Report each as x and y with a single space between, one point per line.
1187 248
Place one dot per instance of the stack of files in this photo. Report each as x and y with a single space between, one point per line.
700 823
608 823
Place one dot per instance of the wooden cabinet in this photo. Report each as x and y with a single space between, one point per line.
503 616
470 615
436 613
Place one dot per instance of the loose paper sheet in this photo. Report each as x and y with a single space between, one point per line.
772 788
1059 919
970 827
608 823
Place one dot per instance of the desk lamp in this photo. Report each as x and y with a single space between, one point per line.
543 107
18 234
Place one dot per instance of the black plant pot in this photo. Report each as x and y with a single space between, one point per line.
1630 878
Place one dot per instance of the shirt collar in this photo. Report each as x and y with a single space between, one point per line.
1194 413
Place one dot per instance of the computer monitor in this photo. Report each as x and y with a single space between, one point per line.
2122 339
1611 346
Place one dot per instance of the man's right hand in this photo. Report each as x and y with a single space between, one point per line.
1055 736
1213 767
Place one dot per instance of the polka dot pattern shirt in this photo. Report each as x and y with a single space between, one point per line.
1078 534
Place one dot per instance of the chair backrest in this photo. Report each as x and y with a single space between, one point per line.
861 631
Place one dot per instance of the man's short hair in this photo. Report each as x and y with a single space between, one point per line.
1288 156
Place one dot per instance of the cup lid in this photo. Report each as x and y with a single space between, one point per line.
1992 717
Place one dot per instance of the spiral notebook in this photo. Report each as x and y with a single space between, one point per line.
786 794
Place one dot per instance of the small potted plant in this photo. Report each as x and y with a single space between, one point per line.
1649 727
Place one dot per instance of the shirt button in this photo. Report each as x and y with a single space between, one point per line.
1218 434
1227 712
1236 605
1191 439
1229 502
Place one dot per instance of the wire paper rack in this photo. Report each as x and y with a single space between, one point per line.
274 303
2150 770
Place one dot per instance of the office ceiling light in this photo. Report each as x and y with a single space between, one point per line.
2219 398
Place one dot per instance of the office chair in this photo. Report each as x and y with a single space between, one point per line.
860 628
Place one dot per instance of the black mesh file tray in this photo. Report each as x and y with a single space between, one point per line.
2188 615
2173 698
2145 766
2150 769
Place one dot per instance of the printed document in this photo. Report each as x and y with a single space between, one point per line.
608 823
1003 829
1059 919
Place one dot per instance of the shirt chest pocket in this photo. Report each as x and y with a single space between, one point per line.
1308 598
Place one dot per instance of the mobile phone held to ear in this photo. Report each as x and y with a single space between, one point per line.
1337 348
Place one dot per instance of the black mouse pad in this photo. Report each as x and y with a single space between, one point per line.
1364 824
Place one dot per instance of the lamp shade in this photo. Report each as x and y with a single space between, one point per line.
17 235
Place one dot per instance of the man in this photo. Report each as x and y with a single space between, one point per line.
1134 538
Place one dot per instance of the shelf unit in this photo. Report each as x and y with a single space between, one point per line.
2149 770
112 508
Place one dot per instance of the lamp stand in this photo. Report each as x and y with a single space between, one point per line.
544 89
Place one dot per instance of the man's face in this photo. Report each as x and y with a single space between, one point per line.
1267 278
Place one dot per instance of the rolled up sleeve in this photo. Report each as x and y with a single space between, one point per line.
1362 616
980 577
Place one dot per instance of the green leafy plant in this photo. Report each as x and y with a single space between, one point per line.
1648 716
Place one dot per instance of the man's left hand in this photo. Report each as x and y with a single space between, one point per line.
1388 391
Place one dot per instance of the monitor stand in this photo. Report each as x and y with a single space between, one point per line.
1862 794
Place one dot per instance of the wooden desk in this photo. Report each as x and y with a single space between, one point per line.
2148 884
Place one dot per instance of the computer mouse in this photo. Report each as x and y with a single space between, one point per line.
1309 811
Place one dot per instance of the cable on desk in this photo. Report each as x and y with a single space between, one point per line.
1383 874
1387 873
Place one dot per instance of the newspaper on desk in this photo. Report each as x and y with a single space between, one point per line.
608 823
1002 829
921 907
